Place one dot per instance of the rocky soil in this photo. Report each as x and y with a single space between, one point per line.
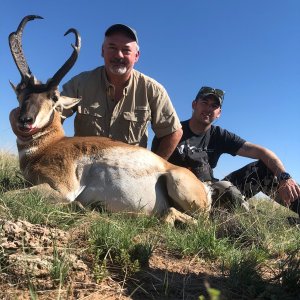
28 252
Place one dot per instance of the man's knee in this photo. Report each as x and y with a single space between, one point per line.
226 195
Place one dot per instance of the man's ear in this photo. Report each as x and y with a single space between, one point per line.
137 56
102 52
194 103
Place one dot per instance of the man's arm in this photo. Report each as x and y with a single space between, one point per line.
288 190
168 143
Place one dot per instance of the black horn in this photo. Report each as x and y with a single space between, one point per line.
58 76
15 44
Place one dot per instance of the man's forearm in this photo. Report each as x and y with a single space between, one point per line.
269 158
168 144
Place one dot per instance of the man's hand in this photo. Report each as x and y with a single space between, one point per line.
289 190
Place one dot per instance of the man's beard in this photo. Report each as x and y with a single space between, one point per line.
117 67
118 70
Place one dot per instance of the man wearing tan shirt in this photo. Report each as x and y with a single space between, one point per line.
118 101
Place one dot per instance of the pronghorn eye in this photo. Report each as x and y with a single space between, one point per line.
54 98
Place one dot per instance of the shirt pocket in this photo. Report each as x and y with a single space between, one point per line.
89 122
137 122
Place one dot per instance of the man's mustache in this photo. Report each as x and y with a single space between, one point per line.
118 61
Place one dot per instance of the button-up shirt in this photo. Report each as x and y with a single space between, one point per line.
144 100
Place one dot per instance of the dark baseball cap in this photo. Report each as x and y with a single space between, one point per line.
122 28
207 91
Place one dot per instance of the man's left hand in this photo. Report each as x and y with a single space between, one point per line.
289 190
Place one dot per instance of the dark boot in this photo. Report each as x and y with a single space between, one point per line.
227 196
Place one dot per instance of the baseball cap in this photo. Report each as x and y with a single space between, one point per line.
124 28
206 91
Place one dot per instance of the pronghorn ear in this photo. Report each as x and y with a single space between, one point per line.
13 86
67 102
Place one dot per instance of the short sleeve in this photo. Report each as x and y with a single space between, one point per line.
163 115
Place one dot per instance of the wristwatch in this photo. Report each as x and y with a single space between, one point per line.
284 176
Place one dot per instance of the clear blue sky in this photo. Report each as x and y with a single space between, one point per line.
251 49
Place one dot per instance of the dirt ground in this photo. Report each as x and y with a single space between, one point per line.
27 253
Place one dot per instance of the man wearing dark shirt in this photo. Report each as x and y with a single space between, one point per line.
202 144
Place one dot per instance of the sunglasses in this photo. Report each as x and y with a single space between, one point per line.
208 90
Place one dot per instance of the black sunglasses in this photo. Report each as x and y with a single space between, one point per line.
208 90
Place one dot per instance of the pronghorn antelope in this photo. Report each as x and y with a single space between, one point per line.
90 170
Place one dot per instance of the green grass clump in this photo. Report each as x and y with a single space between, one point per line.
10 175
35 209
122 242
198 240
60 267
244 273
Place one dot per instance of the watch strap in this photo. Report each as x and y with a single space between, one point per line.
284 176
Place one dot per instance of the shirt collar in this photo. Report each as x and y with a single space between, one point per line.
110 88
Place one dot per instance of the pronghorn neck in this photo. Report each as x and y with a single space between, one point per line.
37 144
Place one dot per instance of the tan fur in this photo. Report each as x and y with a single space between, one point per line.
90 170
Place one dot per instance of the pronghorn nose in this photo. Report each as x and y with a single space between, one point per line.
25 120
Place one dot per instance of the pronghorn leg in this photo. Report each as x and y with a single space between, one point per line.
173 215
43 189
187 191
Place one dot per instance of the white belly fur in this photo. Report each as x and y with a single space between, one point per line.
122 183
